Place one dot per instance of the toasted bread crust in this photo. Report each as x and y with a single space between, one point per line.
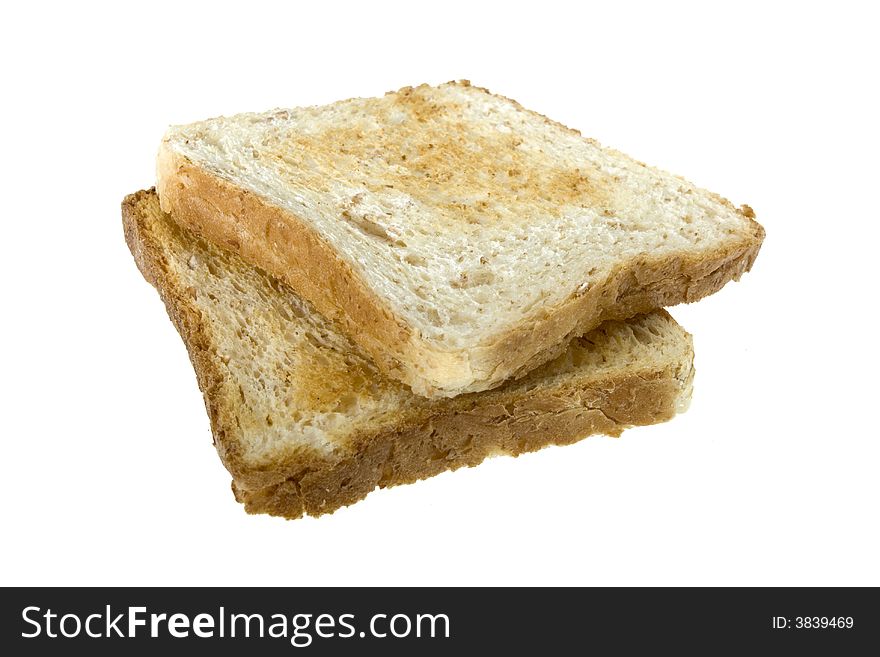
453 440
189 324
643 286
242 221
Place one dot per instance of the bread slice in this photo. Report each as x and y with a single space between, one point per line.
305 422
457 237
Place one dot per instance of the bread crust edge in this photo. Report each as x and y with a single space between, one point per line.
449 441
219 402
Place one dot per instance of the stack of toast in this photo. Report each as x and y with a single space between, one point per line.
379 290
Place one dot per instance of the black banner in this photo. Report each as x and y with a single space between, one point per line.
438 621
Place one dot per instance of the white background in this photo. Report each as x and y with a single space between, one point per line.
108 473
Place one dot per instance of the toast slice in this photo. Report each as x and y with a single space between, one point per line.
304 421
457 237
